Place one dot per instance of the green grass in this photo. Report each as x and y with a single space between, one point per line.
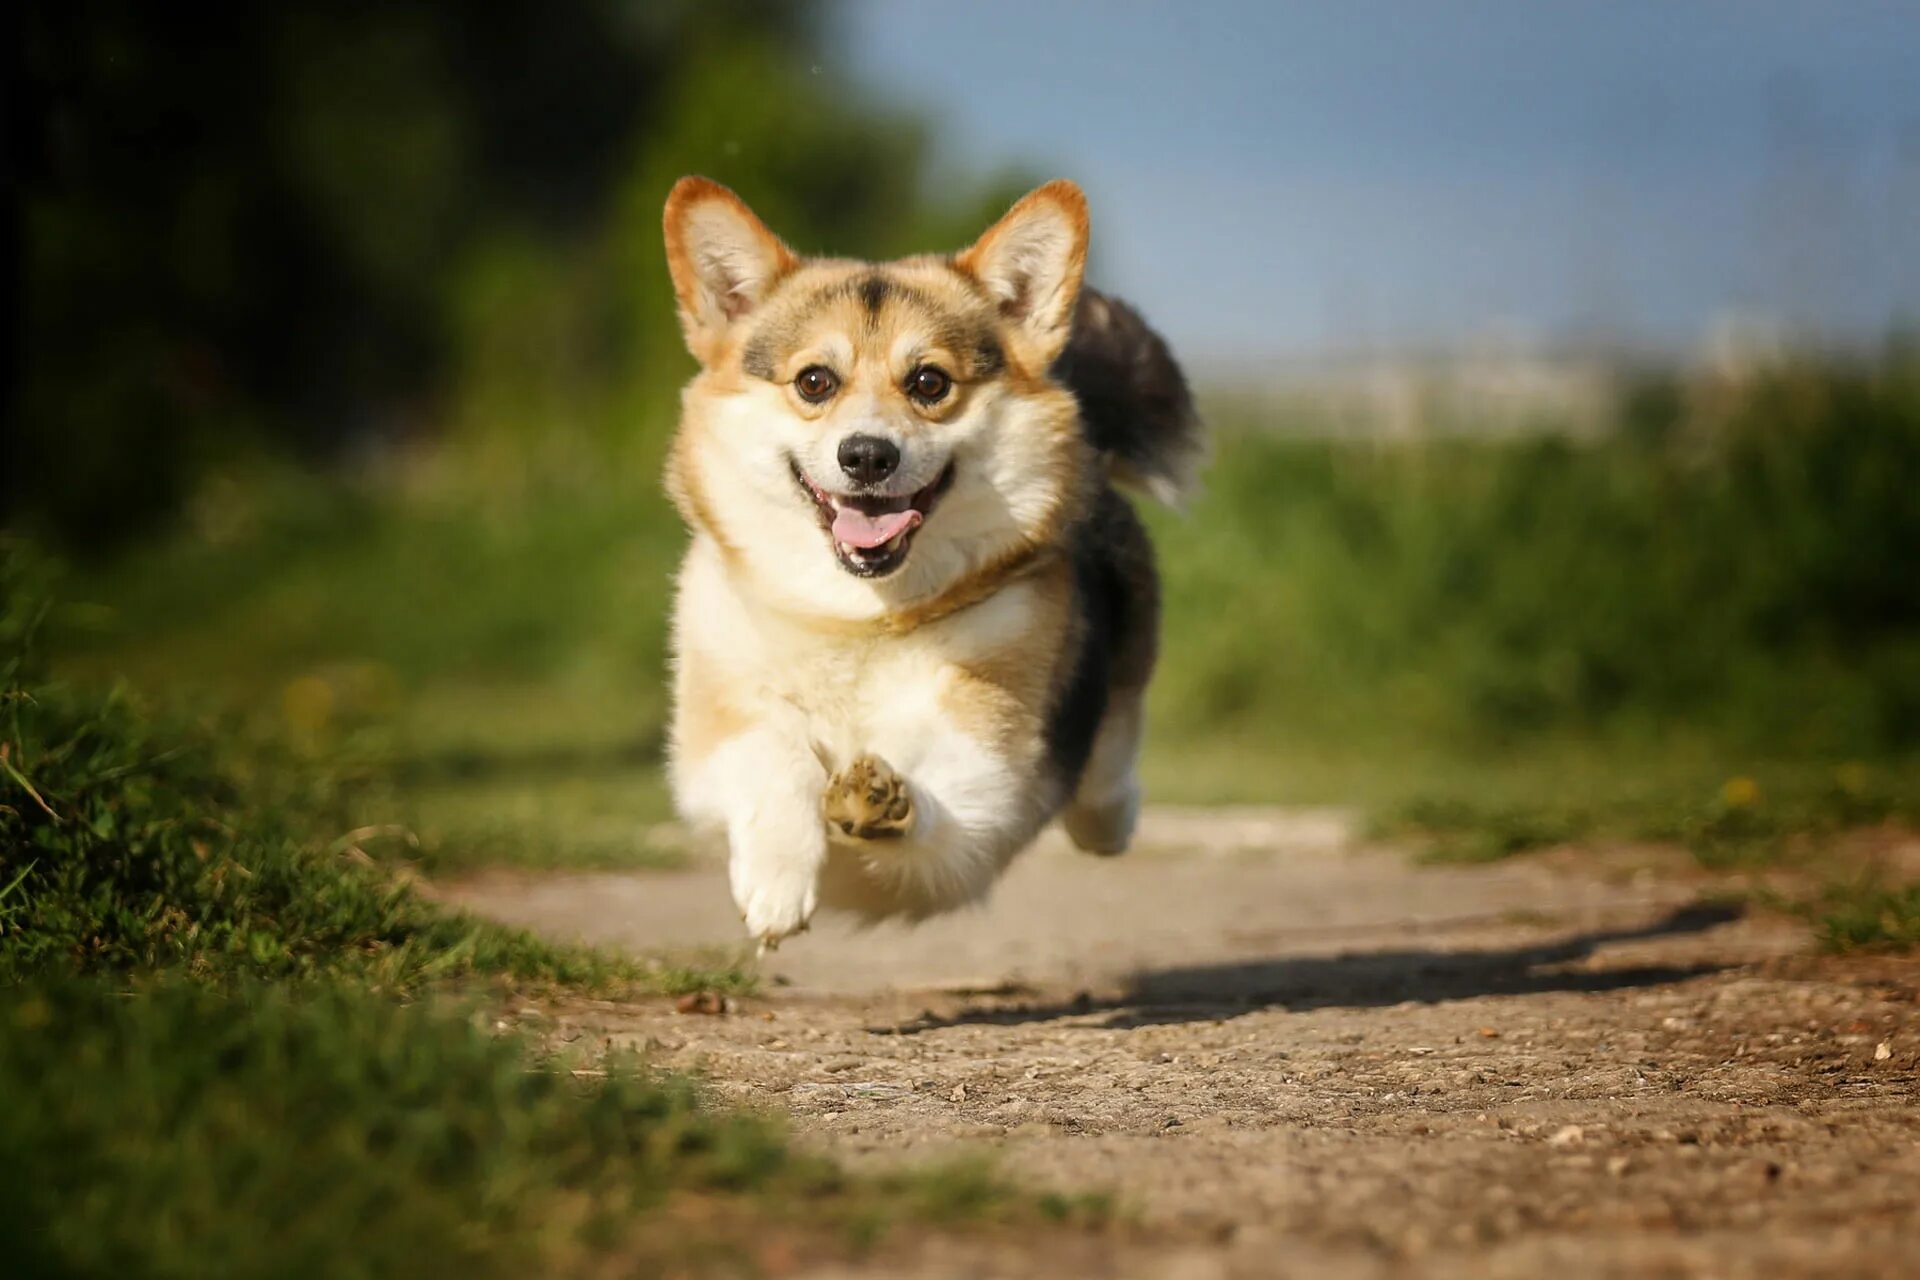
1728 572
490 666
132 842
233 1045
1748 819
1868 917
558 809
181 1131
1776 820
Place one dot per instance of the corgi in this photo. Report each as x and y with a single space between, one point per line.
916 618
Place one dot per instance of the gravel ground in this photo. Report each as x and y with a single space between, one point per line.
1289 1054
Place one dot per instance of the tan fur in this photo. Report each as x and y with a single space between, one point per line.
998 697
881 742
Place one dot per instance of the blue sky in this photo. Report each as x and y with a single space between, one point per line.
1290 178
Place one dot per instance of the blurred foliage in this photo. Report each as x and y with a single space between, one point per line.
1745 568
327 230
1871 917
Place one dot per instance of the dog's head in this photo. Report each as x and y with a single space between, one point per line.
863 437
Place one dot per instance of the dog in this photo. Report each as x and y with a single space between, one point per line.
916 619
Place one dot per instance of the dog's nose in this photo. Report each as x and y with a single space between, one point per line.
868 459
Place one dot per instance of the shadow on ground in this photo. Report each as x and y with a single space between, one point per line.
1356 980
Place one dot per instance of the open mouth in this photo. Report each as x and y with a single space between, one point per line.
872 533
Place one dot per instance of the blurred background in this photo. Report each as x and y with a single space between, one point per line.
1561 361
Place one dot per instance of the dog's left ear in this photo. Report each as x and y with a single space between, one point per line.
1032 260
723 260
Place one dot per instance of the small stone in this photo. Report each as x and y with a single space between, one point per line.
1617 1166
1571 1135
1882 1051
959 1093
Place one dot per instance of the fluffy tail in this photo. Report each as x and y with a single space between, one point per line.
1134 402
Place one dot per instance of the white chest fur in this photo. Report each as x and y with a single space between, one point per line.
854 693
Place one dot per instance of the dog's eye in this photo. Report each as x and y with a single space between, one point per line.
816 383
928 383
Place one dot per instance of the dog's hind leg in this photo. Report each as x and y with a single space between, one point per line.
1106 805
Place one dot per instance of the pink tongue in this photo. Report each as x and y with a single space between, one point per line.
858 529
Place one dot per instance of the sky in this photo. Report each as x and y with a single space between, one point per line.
1358 176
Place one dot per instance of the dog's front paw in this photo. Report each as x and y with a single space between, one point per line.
868 801
776 901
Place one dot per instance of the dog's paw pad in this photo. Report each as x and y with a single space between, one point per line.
868 801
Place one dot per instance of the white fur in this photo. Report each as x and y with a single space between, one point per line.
817 701
734 260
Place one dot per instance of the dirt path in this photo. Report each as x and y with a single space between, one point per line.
1294 1056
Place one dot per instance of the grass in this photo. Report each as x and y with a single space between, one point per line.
233 1045
492 668
1726 571
177 1130
132 842
182 1132
1748 819
1868 917
1790 821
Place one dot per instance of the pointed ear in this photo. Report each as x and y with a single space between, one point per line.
723 260
1032 260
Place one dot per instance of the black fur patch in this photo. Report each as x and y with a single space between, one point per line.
1100 596
988 359
757 359
1134 402
873 293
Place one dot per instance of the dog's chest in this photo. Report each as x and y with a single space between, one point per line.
854 692
861 694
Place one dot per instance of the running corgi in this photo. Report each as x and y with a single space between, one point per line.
916 620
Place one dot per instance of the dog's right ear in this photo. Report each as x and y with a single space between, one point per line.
723 260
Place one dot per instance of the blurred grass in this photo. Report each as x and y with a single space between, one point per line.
1734 569
1868 917
1743 821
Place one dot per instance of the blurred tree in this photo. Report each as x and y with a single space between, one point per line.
306 225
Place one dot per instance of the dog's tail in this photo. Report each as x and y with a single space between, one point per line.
1134 402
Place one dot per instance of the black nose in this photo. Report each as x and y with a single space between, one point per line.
868 459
